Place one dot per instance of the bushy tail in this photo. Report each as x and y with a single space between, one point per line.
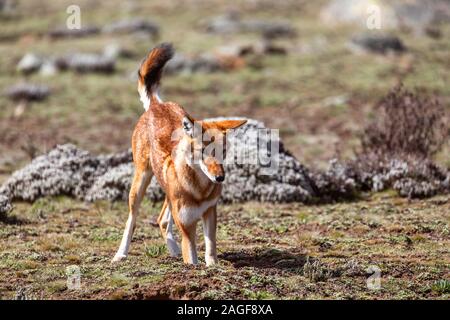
150 73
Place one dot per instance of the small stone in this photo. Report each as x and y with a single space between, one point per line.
86 62
5 205
64 32
27 92
232 23
29 63
48 69
377 43
132 26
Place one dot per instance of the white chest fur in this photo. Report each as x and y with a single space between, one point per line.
190 215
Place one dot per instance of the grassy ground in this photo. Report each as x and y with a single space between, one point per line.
264 247
265 251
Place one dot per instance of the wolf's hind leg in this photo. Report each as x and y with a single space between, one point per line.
141 181
165 222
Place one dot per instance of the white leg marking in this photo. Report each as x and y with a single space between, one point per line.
193 254
210 243
124 247
174 249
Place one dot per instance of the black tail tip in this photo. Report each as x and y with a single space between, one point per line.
166 49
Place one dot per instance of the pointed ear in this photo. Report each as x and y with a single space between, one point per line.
188 126
225 125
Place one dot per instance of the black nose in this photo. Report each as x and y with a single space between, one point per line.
220 178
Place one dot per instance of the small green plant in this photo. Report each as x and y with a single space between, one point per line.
156 250
257 295
119 280
441 286
42 206
316 271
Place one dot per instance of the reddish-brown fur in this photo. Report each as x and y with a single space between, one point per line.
156 152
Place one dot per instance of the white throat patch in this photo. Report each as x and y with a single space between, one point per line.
190 215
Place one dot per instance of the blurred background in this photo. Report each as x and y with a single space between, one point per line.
313 69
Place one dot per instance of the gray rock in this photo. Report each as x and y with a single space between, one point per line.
86 62
242 49
48 68
377 43
416 15
67 170
27 92
409 176
8 6
64 32
224 24
133 26
355 12
412 188
29 63
114 51
5 205
232 23
206 63
269 29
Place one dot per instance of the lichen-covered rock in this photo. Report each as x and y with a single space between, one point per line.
29 63
48 68
411 177
206 63
115 185
8 7
232 23
263 47
64 32
27 92
115 51
67 170
5 205
133 26
86 62
415 15
357 12
377 43
339 181
284 180
411 188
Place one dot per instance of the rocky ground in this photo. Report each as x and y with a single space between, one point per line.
265 251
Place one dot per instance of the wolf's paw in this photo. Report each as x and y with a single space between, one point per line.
118 257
